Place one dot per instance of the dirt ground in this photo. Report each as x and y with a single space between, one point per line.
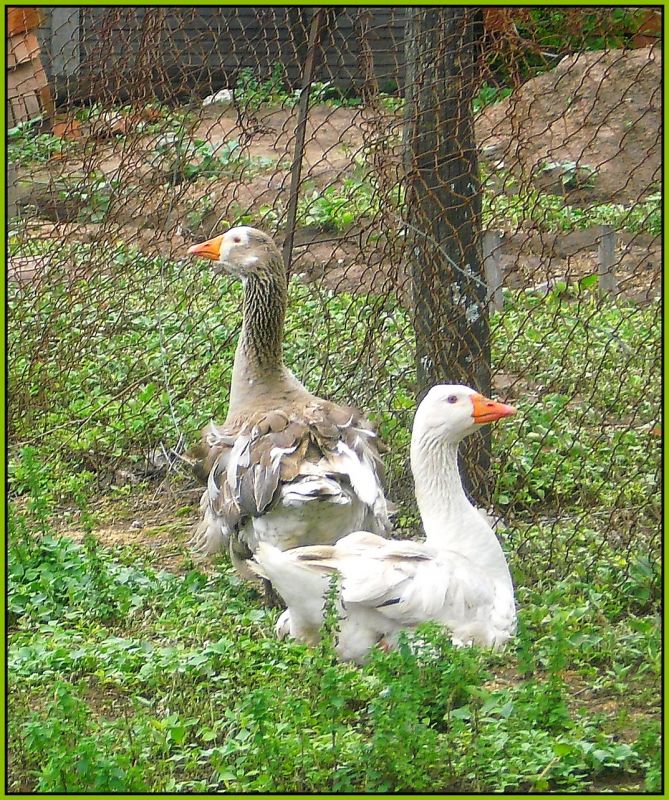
602 109
138 522
599 110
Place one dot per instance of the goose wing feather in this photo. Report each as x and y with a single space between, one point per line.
289 457
403 581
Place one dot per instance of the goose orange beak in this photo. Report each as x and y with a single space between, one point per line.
486 410
210 249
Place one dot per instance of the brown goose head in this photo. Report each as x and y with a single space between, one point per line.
243 252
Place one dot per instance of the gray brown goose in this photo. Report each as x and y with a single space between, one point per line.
286 467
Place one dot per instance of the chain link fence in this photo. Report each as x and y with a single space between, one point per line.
461 195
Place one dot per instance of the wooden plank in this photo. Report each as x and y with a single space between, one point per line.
21 19
21 80
24 108
20 48
492 247
248 22
608 285
46 99
28 93
213 37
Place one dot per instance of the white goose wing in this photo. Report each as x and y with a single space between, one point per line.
407 583
386 586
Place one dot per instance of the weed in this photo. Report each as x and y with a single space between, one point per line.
183 671
489 95
338 207
252 93
551 212
93 195
25 147
149 118
184 159
128 678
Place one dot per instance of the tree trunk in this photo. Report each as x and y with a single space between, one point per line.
443 212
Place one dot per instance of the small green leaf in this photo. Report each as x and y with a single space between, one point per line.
589 282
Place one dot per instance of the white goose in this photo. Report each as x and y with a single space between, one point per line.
458 577
286 467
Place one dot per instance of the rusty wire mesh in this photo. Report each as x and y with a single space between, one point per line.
172 124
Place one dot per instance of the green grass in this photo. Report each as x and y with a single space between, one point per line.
340 205
357 197
252 93
128 678
26 148
551 212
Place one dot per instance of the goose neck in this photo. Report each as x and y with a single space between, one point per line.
441 498
450 521
260 343
258 370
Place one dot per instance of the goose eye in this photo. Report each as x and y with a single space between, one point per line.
452 398
236 239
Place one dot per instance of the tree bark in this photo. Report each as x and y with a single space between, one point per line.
443 212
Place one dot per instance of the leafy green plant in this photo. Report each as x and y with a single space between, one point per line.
148 118
646 746
73 756
551 212
93 195
181 674
199 210
391 103
252 93
25 147
573 30
489 95
572 175
184 159
339 206
554 32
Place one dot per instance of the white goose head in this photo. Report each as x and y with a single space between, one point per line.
450 412
243 252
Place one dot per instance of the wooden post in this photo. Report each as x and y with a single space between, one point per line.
608 286
443 211
300 134
12 209
492 245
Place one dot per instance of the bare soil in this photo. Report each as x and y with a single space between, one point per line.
138 522
600 110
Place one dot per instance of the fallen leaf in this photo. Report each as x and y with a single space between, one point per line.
69 129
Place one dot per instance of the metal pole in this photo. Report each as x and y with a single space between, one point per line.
300 133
